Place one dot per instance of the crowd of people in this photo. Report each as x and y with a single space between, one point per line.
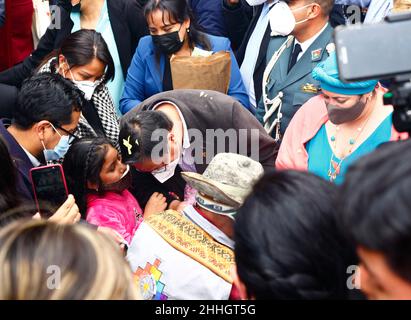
284 183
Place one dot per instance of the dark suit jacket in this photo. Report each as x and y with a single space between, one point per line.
209 16
21 162
8 96
127 22
237 20
210 110
231 22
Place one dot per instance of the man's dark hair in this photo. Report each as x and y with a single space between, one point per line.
326 5
376 204
287 243
137 131
48 97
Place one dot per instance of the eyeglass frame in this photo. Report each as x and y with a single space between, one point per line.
71 134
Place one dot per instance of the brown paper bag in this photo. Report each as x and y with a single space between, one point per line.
207 73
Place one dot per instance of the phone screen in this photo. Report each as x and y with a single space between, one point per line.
50 188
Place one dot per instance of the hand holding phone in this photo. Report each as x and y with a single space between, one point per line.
68 213
49 187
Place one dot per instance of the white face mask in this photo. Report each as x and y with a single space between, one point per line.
255 2
163 175
88 87
282 20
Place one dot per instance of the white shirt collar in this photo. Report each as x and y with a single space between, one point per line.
307 43
34 161
208 227
186 137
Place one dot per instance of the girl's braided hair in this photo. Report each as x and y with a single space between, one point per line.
82 164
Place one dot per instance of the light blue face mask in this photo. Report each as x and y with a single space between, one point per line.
59 150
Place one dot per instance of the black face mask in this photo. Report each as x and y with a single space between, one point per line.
119 186
338 115
168 43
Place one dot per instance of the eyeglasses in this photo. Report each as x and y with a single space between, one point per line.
71 134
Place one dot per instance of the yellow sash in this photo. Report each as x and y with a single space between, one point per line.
188 238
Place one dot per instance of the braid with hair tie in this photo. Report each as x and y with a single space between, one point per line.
82 202
88 159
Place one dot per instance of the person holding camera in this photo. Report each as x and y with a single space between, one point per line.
333 130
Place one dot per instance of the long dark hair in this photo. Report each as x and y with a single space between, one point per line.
179 11
80 48
288 244
83 163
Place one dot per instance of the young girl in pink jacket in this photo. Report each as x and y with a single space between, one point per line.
99 182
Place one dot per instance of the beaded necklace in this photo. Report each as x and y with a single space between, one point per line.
334 165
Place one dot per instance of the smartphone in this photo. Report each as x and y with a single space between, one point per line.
49 187
374 51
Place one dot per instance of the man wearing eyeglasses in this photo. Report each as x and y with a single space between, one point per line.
172 132
43 127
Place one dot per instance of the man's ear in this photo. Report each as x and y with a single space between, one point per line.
40 128
315 11
242 290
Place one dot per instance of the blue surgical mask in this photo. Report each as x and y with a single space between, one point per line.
59 150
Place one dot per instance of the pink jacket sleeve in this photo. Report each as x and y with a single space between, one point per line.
104 216
303 127
292 154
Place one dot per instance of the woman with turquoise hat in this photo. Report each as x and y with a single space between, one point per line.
332 130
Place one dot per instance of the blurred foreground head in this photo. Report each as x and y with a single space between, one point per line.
45 261
288 244
375 205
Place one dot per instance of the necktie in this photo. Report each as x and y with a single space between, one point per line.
293 60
